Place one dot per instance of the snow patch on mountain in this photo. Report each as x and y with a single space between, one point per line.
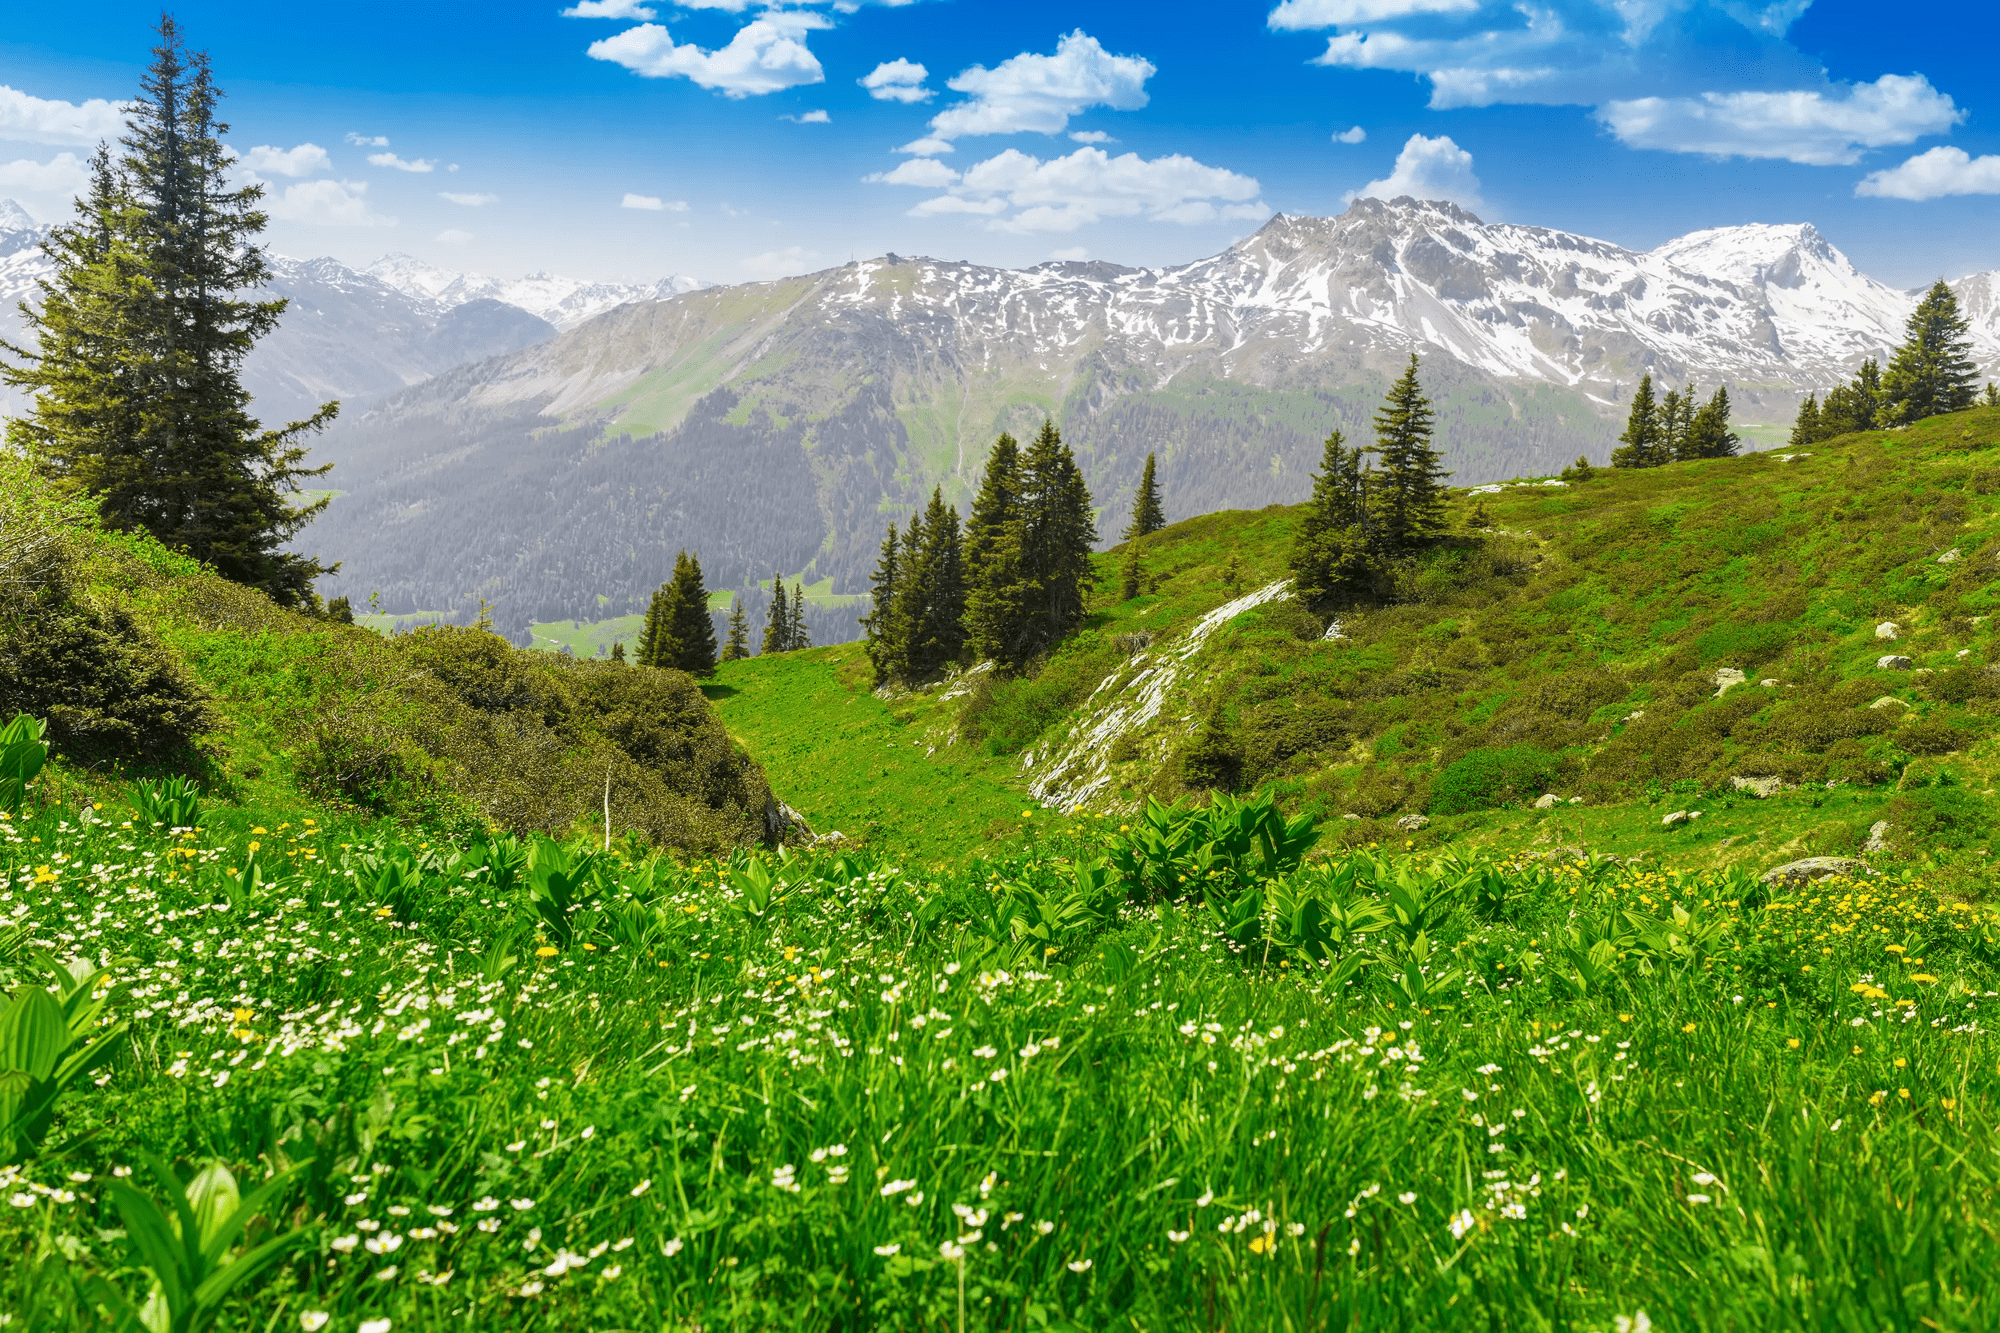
563 302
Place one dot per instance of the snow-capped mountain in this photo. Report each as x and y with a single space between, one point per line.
563 302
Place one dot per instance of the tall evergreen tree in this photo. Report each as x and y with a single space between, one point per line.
655 630
798 636
997 592
691 629
1805 426
1330 545
1147 515
1676 416
931 601
1854 406
1991 398
141 333
885 642
1932 372
1131 572
737 647
1058 528
618 652
1409 501
1708 435
777 620
1639 446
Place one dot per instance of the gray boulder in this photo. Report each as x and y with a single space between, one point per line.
1411 823
1679 817
1548 801
1893 662
1812 868
1758 787
1878 837
1888 629
1727 679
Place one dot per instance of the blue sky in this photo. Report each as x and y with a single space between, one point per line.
733 139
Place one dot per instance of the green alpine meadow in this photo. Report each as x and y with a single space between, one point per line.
1556 904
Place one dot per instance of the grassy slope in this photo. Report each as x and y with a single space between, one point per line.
1658 578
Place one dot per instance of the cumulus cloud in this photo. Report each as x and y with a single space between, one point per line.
303 160
608 9
63 174
810 118
1037 93
897 80
453 236
1934 174
1021 193
391 160
1295 15
468 200
1809 127
1428 169
1355 135
368 140
327 203
648 203
1090 136
925 172
28 119
780 263
767 55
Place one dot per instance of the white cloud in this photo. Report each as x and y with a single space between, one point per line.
1297 15
1031 93
1428 169
327 203
453 236
27 119
468 200
897 80
63 174
391 160
767 55
648 203
1088 185
1090 136
608 9
924 172
303 160
810 118
1934 174
368 140
780 263
1808 127
1074 252
1355 135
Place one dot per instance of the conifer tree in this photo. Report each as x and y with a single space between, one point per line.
654 631
689 644
1058 528
1992 395
1147 515
879 629
1639 446
1131 573
1805 426
1675 414
777 620
1330 545
1708 435
141 333
618 652
931 602
1932 372
1409 500
737 647
997 592
1854 406
798 636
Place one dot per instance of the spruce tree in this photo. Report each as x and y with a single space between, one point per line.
1058 528
618 652
885 642
691 629
1676 410
1854 406
997 592
1708 435
1805 426
1409 501
1992 395
738 646
1147 515
1330 545
653 631
931 602
777 620
1639 446
141 333
1131 573
798 636
1932 372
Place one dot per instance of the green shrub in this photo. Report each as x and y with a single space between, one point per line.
1941 816
1932 735
1488 778
1211 761
1010 714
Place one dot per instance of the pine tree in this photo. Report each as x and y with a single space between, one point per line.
1058 528
798 636
1580 470
140 341
1640 444
738 646
1147 515
885 641
654 631
777 620
931 602
618 652
1676 408
1330 545
1708 434
1409 500
1992 395
1854 406
690 646
1131 573
1805 426
997 592
1932 372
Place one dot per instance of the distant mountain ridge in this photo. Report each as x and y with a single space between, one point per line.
781 424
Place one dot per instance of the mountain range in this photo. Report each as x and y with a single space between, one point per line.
779 425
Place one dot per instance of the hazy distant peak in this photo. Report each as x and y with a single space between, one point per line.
13 217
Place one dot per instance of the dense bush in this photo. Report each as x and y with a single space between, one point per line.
1940 816
1009 714
1487 778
